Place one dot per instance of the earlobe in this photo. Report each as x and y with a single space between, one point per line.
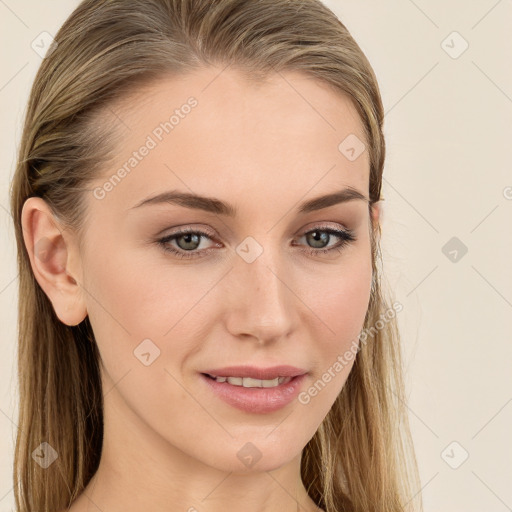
50 253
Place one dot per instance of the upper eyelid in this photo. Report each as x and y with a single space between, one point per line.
313 226
205 233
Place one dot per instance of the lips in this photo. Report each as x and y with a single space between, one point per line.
256 400
254 372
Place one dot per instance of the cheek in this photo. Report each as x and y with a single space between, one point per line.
142 297
342 303
341 309
132 300
345 302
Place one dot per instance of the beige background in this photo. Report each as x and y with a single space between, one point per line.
448 174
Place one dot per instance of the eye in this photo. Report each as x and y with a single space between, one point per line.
187 242
320 236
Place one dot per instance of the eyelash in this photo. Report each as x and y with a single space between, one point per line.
347 236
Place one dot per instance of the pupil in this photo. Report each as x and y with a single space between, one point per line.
321 236
188 239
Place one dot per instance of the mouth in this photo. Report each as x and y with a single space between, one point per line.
255 390
249 382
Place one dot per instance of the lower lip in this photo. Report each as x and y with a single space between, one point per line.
256 400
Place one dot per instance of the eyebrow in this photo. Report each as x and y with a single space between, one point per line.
218 207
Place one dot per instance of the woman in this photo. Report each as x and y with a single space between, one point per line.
201 321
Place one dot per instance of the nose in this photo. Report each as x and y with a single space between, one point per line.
262 304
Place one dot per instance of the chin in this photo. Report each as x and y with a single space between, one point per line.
256 455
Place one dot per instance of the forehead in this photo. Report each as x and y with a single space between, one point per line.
216 132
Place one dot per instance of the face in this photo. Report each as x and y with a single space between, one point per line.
175 289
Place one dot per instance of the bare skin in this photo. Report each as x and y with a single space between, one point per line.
170 443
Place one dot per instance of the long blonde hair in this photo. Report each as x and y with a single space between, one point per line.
361 459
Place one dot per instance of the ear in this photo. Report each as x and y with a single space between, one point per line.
53 256
376 213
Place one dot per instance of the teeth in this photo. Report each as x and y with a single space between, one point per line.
248 382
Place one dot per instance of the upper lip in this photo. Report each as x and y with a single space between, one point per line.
254 372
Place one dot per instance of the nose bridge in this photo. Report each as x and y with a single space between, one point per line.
262 304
